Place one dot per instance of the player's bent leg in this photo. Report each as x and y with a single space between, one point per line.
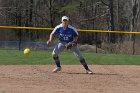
58 48
57 62
83 62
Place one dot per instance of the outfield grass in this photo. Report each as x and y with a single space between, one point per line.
15 57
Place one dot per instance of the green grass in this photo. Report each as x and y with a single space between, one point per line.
15 57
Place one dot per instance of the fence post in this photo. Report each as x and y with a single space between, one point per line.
134 44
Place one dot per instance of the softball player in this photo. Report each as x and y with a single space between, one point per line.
67 36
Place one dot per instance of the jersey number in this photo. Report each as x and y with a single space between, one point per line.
66 38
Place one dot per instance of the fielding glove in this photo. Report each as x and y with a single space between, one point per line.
70 44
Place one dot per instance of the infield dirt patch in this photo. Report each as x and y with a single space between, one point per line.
72 79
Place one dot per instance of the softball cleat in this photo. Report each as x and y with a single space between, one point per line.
89 71
56 69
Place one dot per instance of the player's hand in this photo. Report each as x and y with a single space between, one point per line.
48 42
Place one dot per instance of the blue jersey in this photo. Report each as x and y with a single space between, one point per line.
65 35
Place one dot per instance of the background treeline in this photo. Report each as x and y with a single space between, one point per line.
84 14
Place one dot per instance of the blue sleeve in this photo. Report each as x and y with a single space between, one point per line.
56 30
75 33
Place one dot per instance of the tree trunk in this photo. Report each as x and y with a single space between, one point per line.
112 35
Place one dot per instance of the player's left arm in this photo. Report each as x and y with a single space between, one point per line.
75 38
75 34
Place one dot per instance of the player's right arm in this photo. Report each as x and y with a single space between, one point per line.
54 32
50 38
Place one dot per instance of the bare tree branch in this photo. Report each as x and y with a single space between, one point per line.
104 3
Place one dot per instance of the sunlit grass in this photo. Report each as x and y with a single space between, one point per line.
14 57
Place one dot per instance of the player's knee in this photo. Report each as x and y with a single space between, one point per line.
82 61
55 57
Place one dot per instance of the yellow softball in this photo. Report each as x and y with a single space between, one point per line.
27 52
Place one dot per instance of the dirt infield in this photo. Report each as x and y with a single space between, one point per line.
72 79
